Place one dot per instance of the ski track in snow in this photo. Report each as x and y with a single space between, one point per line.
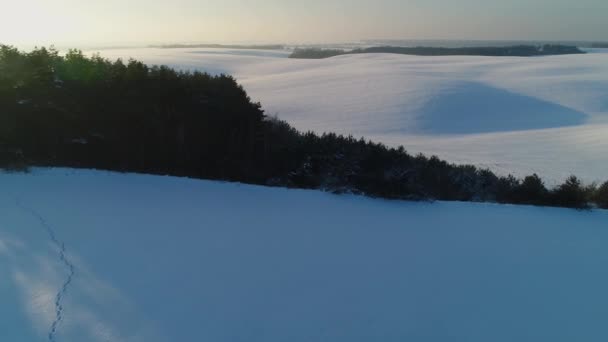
223 262
64 260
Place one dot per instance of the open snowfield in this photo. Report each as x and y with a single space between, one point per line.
123 257
514 115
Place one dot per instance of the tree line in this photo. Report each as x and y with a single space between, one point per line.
89 112
513 51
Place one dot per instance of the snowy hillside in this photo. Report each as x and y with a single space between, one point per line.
123 257
515 115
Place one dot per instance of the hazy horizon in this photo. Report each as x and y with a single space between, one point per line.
137 22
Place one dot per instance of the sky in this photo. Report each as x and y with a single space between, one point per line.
132 22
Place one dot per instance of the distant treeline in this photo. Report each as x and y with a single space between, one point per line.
516 51
83 112
221 46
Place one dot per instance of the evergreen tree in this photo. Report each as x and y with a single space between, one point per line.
570 194
90 112
600 196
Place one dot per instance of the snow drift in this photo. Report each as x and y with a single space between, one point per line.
169 259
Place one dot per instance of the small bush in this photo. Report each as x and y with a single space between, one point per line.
14 165
12 160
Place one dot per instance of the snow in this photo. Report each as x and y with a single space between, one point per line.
514 115
168 259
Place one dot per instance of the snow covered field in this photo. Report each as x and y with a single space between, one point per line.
148 258
514 115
